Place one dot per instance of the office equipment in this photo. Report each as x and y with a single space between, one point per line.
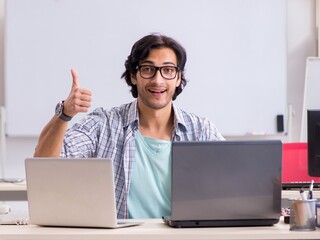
236 61
303 194
280 123
295 166
14 218
310 192
72 192
311 93
225 183
4 209
313 123
302 215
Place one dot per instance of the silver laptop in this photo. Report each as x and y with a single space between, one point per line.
72 192
225 183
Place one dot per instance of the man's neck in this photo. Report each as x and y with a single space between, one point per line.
156 123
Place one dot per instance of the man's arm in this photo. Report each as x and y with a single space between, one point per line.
51 138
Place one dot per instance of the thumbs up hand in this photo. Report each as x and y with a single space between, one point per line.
79 99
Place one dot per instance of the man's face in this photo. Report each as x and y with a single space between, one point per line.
156 92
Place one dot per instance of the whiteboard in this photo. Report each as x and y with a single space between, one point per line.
236 50
311 98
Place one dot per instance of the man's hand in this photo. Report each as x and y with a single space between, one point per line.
79 99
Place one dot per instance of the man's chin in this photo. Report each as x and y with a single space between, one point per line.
156 105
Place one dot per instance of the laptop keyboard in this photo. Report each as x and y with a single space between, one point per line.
299 185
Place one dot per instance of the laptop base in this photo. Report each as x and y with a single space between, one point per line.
219 223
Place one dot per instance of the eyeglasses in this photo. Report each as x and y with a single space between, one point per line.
149 71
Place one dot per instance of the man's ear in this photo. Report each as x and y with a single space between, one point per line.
133 79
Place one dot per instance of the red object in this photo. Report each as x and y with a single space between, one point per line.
295 163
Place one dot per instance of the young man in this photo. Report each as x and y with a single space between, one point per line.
136 136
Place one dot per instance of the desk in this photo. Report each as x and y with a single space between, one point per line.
18 192
153 229
287 194
13 191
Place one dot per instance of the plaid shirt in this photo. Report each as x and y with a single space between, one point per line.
111 134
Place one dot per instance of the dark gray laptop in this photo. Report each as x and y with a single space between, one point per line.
225 183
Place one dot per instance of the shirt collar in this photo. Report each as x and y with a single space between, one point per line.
133 116
179 121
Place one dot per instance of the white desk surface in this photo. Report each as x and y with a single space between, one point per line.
153 229
287 194
13 191
6 186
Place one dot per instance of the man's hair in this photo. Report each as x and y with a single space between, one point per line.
141 50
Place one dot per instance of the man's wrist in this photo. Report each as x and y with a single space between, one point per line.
59 112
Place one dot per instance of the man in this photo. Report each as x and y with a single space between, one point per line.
136 136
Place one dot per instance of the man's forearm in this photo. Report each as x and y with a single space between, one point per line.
51 138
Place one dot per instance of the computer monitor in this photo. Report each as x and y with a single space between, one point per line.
313 142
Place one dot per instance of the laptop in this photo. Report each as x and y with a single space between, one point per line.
295 166
72 192
225 184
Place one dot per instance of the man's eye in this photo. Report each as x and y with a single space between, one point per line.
147 69
168 69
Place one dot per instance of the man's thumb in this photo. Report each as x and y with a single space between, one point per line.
74 74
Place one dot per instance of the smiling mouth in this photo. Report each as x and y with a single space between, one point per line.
154 91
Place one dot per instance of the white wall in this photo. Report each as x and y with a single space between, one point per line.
253 68
301 43
1 52
17 149
318 23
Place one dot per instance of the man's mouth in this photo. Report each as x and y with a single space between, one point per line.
157 91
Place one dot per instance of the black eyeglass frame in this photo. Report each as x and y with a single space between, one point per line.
158 69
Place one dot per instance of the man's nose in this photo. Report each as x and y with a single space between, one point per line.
157 77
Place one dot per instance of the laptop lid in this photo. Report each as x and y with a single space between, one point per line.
226 183
71 192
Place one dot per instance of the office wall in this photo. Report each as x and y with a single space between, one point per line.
318 23
301 43
224 64
1 52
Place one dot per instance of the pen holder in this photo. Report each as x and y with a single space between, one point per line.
302 215
318 214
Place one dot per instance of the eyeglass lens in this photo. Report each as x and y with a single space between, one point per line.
167 72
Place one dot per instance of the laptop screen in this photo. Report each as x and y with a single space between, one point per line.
226 180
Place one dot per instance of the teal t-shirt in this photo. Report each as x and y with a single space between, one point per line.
150 186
